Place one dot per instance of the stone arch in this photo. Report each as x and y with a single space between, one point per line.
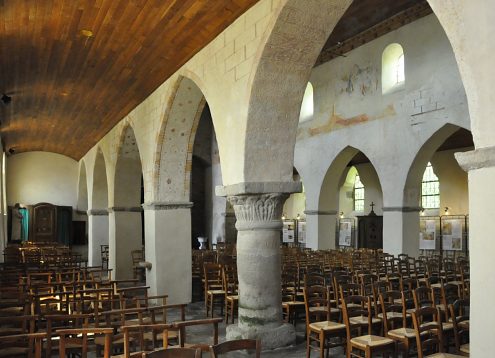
82 192
98 213
412 185
401 223
125 217
278 82
99 194
328 198
173 156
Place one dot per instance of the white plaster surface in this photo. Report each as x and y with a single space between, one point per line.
37 177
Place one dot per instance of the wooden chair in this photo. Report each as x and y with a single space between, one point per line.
395 323
144 338
57 322
423 297
290 304
358 317
429 336
137 256
80 336
174 353
214 293
319 327
21 345
181 326
459 313
230 286
236 345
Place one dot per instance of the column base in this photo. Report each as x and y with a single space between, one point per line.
271 338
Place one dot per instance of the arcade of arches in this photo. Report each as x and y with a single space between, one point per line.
222 149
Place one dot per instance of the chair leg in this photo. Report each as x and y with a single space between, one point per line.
308 344
226 312
322 344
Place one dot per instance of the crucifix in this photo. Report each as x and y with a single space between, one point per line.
372 206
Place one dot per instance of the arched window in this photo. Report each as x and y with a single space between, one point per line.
358 194
430 191
307 104
393 76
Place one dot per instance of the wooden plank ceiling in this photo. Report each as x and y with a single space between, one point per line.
365 20
74 68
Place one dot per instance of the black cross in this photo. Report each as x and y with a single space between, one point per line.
372 206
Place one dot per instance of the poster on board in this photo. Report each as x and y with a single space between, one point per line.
452 234
427 236
288 232
345 233
301 232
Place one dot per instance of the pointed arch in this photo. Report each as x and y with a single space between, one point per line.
277 83
128 170
173 155
412 186
99 194
82 192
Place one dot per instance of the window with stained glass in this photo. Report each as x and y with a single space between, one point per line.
430 191
358 194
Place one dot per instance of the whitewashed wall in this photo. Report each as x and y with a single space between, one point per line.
350 110
36 177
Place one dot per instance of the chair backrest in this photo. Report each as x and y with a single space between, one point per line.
81 335
182 325
355 306
27 345
459 311
316 303
428 330
212 275
388 304
175 353
236 345
134 337
423 297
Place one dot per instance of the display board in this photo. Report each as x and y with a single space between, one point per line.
346 228
301 232
429 232
288 231
453 232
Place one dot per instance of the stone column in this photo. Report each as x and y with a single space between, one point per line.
125 235
320 229
97 234
480 165
259 269
401 230
168 249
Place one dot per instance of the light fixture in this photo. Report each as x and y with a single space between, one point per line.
446 210
341 214
298 217
422 211
283 216
86 33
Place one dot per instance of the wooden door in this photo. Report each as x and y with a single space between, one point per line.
44 223
370 233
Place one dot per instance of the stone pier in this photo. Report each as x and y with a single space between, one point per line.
259 269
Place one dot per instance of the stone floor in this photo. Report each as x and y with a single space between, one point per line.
200 334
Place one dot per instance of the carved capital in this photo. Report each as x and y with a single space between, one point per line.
258 211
